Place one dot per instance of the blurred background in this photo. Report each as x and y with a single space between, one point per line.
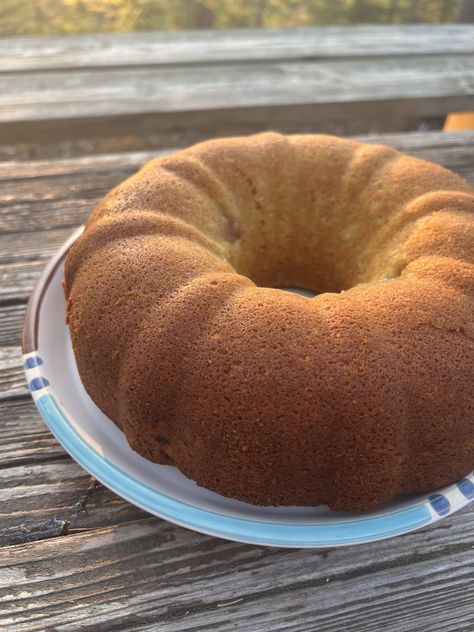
81 77
63 17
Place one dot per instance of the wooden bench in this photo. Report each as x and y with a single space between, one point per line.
184 86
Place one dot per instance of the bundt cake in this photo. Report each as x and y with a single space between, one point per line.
184 337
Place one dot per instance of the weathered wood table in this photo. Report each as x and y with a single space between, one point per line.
179 87
77 557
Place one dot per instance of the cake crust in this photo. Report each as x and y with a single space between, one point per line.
347 399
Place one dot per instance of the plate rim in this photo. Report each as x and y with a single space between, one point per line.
366 528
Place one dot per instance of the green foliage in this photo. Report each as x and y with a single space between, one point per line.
51 17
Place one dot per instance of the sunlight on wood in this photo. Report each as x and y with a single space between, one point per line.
457 121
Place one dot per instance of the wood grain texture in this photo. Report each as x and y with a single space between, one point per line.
185 85
25 437
440 146
11 322
18 279
166 129
77 557
151 49
150 575
23 248
55 497
12 377
43 493
64 94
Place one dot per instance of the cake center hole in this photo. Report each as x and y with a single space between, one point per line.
295 290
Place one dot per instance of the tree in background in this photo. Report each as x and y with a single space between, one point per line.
50 17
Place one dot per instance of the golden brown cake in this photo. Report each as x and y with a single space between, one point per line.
346 399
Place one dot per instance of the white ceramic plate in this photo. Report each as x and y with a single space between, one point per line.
101 448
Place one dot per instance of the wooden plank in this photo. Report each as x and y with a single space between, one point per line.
191 47
180 87
150 574
67 167
18 279
21 247
40 500
11 323
25 437
122 164
41 214
63 192
106 92
43 493
167 129
12 377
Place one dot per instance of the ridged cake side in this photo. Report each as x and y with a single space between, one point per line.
346 399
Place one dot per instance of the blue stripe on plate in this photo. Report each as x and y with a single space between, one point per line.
440 504
37 383
33 361
256 532
466 487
